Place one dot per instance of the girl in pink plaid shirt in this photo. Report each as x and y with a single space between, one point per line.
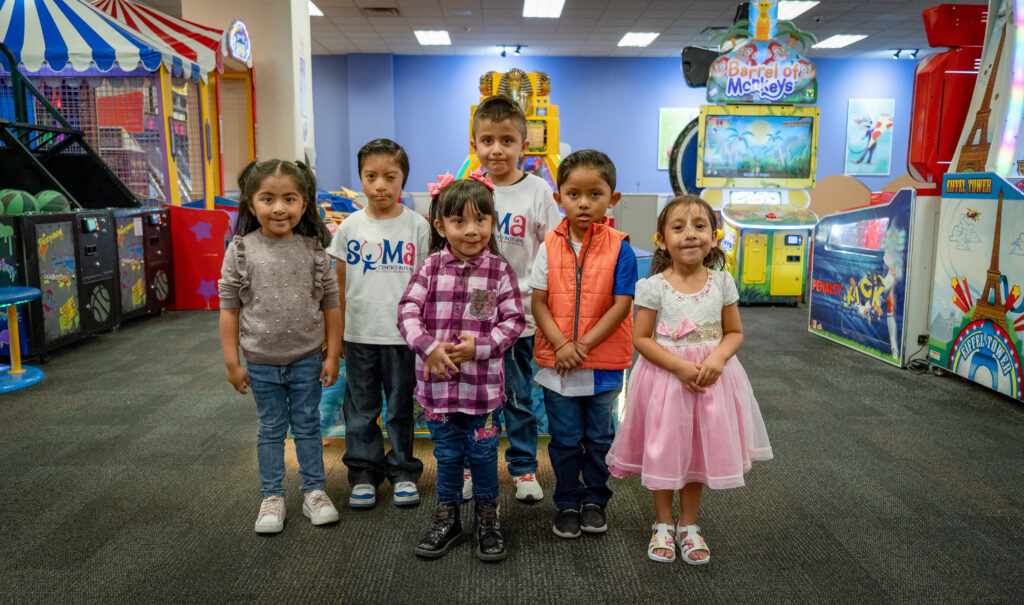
459 313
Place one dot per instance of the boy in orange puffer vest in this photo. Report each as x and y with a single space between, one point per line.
583 281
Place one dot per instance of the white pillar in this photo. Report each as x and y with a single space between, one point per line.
282 69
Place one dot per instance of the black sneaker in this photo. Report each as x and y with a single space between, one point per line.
567 523
592 519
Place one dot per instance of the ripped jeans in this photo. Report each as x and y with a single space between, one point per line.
460 438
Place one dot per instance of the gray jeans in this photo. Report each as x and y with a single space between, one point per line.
371 368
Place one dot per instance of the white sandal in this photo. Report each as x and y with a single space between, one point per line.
662 538
691 542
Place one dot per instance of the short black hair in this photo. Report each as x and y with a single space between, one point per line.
587 158
498 109
384 147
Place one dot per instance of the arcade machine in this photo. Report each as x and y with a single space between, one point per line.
531 91
145 261
976 314
873 267
756 153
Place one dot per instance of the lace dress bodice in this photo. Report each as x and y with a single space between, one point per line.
687 319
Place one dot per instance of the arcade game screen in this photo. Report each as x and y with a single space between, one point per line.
758 146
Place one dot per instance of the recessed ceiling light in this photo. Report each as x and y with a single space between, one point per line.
543 9
839 41
462 13
638 38
791 9
433 37
314 11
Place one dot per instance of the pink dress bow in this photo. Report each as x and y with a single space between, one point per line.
685 327
478 175
443 180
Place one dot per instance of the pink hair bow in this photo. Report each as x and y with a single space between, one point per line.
684 328
443 180
478 175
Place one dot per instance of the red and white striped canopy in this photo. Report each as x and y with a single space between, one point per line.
193 41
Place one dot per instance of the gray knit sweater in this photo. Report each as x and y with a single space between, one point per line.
282 287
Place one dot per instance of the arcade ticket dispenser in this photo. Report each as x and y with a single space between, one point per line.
766 249
97 265
38 251
145 264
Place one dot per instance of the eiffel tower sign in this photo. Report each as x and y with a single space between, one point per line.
974 156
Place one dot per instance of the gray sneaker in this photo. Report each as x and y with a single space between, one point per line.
592 519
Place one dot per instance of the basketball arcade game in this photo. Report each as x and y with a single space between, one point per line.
756 156
531 91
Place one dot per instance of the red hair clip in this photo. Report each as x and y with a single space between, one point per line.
443 180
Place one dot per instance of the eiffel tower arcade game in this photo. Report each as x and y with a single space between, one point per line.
976 315
756 155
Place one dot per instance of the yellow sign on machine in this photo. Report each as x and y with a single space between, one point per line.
531 91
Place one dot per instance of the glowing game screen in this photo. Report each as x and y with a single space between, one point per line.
741 148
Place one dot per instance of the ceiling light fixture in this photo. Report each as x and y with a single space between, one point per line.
543 9
433 37
791 9
839 41
503 54
913 53
896 54
518 50
640 39
314 11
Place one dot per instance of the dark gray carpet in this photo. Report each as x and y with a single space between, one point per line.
129 475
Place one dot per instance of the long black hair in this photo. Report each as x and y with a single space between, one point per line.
452 201
249 181
662 260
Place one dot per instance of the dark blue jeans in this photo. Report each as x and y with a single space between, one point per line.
460 438
288 396
369 368
517 411
581 430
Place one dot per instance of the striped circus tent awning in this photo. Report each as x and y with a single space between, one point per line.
61 33
196 42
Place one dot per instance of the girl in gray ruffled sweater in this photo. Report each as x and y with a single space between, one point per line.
278 301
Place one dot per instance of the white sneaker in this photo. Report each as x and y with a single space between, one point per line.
363 495
406 494
467 485
527 488
271 517
318 507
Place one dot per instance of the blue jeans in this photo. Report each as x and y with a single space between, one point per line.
520 422
369 368
581 433
464 437
288 396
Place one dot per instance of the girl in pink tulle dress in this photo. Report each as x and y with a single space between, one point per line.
691 417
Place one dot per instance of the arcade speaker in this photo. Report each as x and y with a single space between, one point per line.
696 65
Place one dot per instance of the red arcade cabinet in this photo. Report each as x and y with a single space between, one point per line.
943 85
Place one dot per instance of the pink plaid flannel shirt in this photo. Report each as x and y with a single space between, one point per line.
447 297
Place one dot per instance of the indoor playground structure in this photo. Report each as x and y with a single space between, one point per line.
531 91
756 156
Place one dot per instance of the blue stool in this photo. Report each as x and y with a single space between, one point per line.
16 376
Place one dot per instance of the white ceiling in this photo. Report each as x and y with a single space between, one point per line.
592 27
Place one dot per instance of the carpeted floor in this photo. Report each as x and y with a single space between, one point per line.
129 475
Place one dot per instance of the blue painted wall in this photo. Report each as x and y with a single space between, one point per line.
609 104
